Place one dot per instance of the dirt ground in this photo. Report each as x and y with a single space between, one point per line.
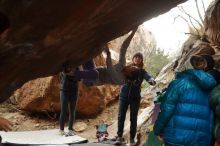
24 121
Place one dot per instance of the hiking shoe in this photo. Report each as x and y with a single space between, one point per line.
132 142
62 133
71 133
119 141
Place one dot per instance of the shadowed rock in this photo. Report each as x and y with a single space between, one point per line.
44 34
43 95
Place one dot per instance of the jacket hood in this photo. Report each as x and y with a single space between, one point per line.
202 78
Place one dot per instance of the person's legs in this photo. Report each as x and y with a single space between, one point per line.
123 106
64 105
134 107
115 70
112 73
72 108
122 59
111 70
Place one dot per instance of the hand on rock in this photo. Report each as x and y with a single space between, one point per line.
5 124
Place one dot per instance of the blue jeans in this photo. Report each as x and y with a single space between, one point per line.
67 97
123 107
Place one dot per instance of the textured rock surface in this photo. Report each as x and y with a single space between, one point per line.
44 34
212 22
42 95
192 46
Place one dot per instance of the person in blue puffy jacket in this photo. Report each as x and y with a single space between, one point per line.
186 118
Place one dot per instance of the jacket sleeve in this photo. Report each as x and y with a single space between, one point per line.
148 78
167 107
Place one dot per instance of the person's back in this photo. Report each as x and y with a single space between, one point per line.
186 118
67 82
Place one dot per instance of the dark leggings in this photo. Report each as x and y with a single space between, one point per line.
68 98
134 107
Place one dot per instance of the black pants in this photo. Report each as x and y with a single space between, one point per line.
68 99
123 107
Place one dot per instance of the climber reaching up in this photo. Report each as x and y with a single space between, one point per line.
111 74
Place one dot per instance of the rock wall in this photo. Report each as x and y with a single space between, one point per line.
212 22
192 46
44 34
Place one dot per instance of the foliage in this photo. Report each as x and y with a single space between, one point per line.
155 63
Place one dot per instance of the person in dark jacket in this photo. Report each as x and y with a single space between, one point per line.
186 118
215 104
130 95
68 96
214 98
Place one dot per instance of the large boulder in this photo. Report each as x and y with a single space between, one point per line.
42 95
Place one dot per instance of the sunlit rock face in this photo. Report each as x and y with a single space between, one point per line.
42 95
143 41
44 34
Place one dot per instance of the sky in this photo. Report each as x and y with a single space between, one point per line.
170 34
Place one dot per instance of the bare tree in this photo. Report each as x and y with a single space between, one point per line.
198 11
190 17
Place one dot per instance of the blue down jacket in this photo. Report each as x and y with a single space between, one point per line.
186 118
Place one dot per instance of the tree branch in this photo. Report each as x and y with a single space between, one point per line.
183 11
189 33
198 11
183 19
194 26
203 6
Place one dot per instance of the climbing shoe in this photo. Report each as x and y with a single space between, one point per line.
71 133
132 142
62 133
119 141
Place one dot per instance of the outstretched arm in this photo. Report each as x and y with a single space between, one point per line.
148 78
